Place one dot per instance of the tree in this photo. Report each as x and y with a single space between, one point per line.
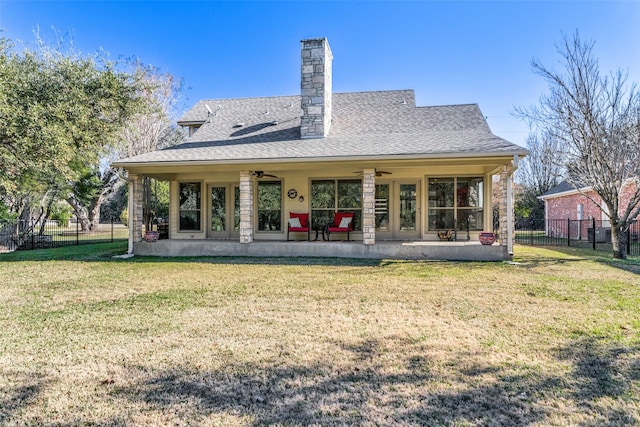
58 111
539 172
597 120
149 130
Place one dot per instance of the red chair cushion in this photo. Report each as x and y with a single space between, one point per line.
304 220
335 226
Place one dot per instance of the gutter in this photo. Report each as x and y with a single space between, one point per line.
370 157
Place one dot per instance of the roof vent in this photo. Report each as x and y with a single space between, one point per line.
238 125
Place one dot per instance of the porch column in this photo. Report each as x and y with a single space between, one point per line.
369 206
246 207
135 210
507 225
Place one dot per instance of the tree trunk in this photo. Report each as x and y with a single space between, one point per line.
619 241
81 213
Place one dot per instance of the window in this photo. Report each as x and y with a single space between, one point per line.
218 208
329 196
454 202
190 196
382 207
269 206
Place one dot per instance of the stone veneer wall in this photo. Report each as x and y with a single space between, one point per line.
246 207
135 191
315 88
369 207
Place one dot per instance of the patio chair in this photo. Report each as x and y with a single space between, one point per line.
342 223
298 223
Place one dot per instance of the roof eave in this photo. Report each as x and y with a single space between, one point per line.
374 157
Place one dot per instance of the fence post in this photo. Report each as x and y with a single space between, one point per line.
568 231
629 240
77 231
111 229
593 228
33 240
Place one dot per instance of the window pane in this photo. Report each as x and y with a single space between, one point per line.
321 218
474 216
470 192
189 195
323 194
382 207
440 192
269 220
269 203
440 219
269 195
236 209
350 194
190 220
407 207
218 211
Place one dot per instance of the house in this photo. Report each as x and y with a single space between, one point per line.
405 172
584 207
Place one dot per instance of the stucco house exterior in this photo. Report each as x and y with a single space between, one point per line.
406 172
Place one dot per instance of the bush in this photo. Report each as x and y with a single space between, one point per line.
61 214
124 217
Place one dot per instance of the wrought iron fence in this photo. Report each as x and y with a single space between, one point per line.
587 233
38 234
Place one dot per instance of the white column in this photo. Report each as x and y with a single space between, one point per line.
369 206
246 207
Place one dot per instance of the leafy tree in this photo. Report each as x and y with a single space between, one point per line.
597 120
58 111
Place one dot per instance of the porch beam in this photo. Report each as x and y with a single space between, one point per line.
369 206
246 207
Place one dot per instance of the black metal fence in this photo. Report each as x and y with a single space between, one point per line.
34 234
587 233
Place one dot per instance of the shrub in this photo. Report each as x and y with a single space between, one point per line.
124 217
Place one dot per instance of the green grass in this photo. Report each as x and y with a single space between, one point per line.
552 339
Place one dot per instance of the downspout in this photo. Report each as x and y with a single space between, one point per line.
510 172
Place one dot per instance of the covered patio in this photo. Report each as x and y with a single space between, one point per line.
466 250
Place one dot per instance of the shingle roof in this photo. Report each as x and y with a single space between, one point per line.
563 187
364 124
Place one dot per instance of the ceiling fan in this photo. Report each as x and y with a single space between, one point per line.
261 174
378 173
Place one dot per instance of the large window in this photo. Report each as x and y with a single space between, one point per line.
269 206
456 202
329 196
190 205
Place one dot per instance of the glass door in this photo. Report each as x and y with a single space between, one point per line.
224 212
397 212
408 211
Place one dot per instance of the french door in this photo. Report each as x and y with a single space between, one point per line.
223 221
397 210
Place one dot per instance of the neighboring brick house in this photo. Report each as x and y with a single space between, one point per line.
566 202
403 172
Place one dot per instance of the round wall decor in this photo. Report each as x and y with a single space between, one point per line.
292 193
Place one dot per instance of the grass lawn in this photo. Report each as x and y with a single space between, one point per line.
87 339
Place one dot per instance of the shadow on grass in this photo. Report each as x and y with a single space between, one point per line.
13 400
362 393
603 387
603 370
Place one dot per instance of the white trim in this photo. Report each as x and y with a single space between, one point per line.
369 157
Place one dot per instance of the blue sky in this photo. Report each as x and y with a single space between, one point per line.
448 52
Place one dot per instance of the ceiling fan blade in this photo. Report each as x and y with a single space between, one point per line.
269 175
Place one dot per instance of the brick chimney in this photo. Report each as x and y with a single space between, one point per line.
316 88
